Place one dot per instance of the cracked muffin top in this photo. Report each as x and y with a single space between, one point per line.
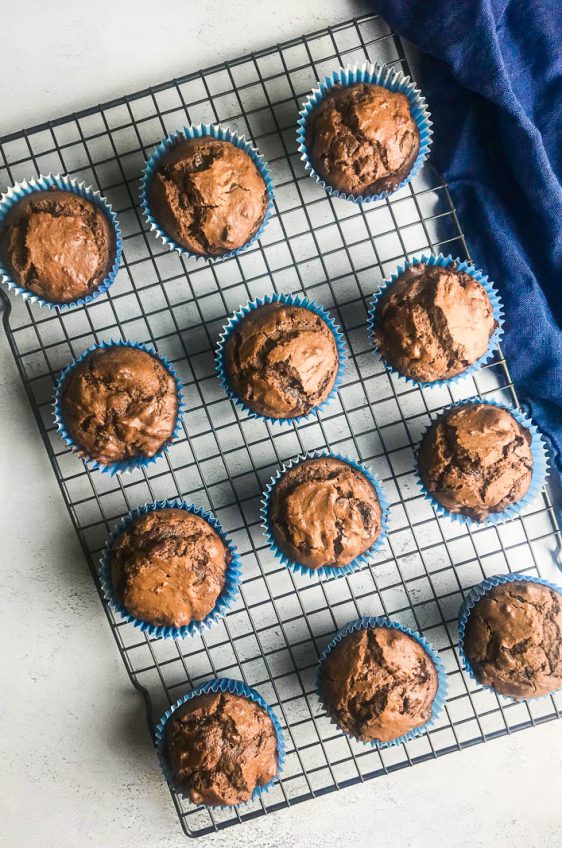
433 323
208 195
324 512
378 683
282 361
169 567
513 639
476 460
58 245
119 403
220 747
362 139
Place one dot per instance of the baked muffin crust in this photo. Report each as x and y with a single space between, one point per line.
208 196
476 459
433 323
513 639
281 360
362 139
324 511
378 683
58 245
220 747
119 403
169 567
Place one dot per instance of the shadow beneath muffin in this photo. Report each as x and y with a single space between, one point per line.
129 732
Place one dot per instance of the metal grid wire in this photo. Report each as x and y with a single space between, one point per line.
337 253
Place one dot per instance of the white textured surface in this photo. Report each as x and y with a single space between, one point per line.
77 764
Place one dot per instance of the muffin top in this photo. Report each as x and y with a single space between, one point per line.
324 512
169 567
433 323
220 747
281 361
208 195
513 639
362 139
57 245
119 403
476 460
378 683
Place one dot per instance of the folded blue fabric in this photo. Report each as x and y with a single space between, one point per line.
492 74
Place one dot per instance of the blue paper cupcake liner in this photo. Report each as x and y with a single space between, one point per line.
475 594
235 687
124 466
45 183
538 478
443 262
202 131
440 696
378 75
194 628
325 570
290 300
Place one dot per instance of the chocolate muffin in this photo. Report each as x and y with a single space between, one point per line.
324 512
476 459
282 361
378 684
169 567
118 404
433 323
362 139
208 196
57 245
220 747
513 639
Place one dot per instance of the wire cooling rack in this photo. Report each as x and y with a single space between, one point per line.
338 253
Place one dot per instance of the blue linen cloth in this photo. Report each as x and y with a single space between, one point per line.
492 74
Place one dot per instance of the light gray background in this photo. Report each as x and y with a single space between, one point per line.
77 763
